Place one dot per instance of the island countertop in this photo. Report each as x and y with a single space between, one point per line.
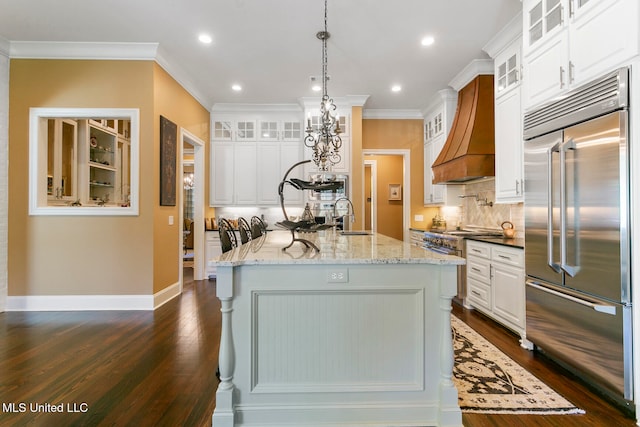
335 248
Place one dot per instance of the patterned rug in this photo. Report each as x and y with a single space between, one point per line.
490 382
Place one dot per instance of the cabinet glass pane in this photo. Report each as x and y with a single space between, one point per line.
512 77
535 33
582 3
50 156
246 130
292 130
512 62
269 130
222 130
554 15
535 15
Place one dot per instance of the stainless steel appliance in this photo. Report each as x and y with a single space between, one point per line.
453 243
322 202
577 233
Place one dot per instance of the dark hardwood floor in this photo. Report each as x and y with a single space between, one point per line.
158 368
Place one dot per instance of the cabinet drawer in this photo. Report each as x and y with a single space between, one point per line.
478 249
508 256
478 293
479 269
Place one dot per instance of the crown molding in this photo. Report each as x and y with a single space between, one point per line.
83 50
471 71
507 35
392 114
439 99
255 108
4 47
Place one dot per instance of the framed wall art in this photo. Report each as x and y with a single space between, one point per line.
168 150
395 191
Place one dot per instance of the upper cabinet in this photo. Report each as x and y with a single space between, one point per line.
506 49
437 123
568 42
250 152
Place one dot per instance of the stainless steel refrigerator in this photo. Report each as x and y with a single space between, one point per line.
577 233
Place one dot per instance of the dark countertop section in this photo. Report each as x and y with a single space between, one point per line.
518 242
417 229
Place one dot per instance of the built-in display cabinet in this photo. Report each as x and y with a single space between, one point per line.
506 50
437 123
569 42
250 154
496 284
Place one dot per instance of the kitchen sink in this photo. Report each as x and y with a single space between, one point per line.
355 233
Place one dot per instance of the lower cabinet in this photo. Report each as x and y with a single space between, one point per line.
212 250
496 284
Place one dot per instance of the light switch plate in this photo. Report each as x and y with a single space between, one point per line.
170 219
418 217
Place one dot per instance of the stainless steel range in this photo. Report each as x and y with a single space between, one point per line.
453 243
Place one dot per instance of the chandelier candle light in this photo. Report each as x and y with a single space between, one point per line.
326 142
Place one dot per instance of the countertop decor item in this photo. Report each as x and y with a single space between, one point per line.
325 141
508 229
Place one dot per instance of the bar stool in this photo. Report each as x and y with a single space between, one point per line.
258 227
245 230
228 239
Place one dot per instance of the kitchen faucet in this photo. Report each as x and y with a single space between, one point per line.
335 210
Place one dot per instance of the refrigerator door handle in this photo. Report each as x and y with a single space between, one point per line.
571 270
601 308
550 262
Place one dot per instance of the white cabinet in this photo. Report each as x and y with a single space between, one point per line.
496 284
509 148
569 42
213 249
248 163
437 123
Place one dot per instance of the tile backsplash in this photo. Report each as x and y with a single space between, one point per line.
474 212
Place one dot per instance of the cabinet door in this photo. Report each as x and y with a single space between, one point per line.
222 174
602 36
213 249
509 147
508 293
428 173
245 174
268 165
545 71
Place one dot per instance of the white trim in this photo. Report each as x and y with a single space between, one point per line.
442 97
391 114
167 294
5 47
508 34
406 184
83 50
256 108
199 267
373 164
468 73
37 159
79 302
182 77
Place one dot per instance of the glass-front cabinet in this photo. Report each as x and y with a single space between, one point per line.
62 153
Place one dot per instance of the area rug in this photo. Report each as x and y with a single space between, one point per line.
490 382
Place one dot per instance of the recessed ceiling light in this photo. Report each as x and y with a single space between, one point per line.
236 87
316 88
205 38
427 41
396 88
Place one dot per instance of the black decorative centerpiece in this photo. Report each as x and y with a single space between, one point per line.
305 225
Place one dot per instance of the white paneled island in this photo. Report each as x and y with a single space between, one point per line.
358 334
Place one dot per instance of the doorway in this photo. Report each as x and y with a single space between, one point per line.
191 247
393 169
370 195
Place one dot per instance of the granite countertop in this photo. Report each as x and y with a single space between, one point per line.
517 242
334 249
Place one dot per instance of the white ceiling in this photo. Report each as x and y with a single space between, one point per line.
270 46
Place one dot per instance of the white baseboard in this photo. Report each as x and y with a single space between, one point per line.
165 295
91 302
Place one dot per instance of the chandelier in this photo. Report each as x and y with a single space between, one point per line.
325 141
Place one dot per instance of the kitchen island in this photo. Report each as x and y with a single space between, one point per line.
357 334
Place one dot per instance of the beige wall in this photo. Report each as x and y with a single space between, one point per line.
174 103
92 255
402 135
388 212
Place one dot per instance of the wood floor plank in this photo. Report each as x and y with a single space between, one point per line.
158 368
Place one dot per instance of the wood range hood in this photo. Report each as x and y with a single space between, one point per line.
469 152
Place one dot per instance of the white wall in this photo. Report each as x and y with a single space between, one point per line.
4 155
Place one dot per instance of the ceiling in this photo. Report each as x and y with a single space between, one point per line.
270 46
